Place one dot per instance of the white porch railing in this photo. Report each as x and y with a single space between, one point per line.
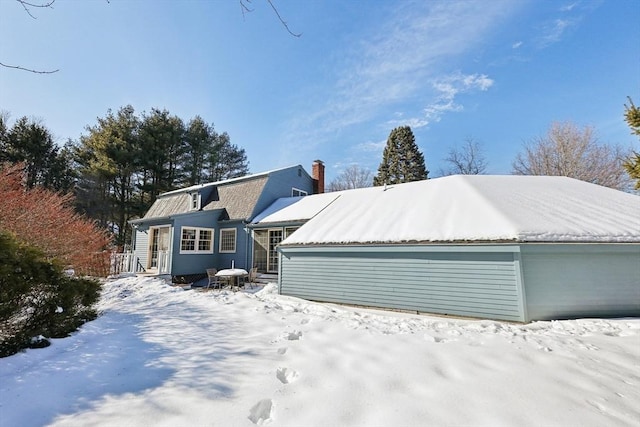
129 263
124 263
164 262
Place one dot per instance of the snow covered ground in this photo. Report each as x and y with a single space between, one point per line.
159 355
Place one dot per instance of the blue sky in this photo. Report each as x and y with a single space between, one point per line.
499 72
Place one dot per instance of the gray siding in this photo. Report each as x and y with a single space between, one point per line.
454 281
595 280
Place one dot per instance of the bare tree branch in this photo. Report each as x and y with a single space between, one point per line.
26 5
17 67
466 160
282 21
567 150
350 178
244 7
247 9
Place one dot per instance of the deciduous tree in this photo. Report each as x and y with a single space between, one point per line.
351 177
402 160
468 159
47 220
567 150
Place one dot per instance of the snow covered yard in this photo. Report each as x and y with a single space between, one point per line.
163 356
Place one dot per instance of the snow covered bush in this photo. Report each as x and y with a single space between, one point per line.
37 299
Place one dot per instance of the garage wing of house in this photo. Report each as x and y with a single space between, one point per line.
517 248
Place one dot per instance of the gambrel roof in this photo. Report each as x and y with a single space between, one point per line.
237 197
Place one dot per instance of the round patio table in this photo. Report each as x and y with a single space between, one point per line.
233 275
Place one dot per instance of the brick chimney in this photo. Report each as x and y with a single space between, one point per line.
317 173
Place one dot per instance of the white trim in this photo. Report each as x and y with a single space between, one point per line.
299 192
232 180
235 241
153 229
197 240
194 203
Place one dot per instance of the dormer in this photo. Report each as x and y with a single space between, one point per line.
195 201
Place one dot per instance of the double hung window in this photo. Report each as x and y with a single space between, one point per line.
196 240
227 240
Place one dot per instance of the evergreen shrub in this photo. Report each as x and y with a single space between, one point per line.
38 300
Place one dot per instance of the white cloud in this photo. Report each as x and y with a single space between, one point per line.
569 7
516 45
447 87
553 31
394 64
371 146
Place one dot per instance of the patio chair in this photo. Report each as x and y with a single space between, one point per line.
213 279
253 276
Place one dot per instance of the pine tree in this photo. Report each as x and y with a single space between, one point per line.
31 143
199 139
632 164
226 160
161 155
402 160
110 159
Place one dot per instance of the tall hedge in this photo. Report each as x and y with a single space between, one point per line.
37 299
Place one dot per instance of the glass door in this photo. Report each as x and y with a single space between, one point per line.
159 245
275 237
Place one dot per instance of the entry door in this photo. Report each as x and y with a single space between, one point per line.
275 237
159 244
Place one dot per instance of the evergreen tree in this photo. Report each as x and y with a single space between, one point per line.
31 143
199 140
161 156
110 157
632 164
210 156
226 160
4 118
402 160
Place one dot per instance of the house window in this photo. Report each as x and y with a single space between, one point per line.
204 240
295 192
289 231
195 201
196 240
227 240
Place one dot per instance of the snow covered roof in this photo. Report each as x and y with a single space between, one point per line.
292 209
468 208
